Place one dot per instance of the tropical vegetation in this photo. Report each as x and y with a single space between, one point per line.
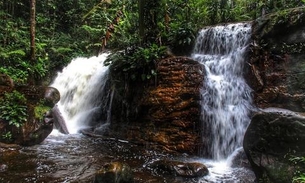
66 29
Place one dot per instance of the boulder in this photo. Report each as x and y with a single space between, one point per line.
272 139
165 112
115 172
276 61
39 100
181 169
276 74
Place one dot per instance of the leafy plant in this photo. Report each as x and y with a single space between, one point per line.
7 136
182 34
13 108
40 110
137 63
299 174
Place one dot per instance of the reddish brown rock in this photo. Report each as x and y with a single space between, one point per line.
167 114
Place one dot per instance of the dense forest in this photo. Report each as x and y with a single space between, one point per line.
40 37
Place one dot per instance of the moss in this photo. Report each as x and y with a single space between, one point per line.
277 25
41 110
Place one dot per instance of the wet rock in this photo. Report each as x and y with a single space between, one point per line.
164 112
276 63
273 137
51 96
37 136
276 74
182 169
34 93
39 122
239 159
59 121
3 167
115 172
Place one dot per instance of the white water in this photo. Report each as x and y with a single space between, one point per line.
226 98
81 85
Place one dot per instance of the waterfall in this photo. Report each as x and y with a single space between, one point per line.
226 98
83 86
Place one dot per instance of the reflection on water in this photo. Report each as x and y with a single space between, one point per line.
75 158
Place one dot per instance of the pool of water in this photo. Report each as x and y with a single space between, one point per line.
76 158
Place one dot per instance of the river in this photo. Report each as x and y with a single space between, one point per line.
75 158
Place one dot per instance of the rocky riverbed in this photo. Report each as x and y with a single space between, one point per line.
77 158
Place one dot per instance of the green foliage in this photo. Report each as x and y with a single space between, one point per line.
126 32
299 179
13 108
137 63
18 75
41 110
66 29
300 173
182 34
7 136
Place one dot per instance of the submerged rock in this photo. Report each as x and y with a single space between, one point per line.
272 139
182 169
115 172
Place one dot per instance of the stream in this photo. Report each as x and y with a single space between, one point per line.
76 158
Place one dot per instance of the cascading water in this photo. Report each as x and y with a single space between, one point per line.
226 98
84 95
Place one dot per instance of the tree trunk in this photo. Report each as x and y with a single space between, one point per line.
141 20
32 29
31 79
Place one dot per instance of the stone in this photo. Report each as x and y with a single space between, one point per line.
39 122
51 96
272 138
177 168
276 72
115 172
276 60
238 159
59 121
164 112
3 167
